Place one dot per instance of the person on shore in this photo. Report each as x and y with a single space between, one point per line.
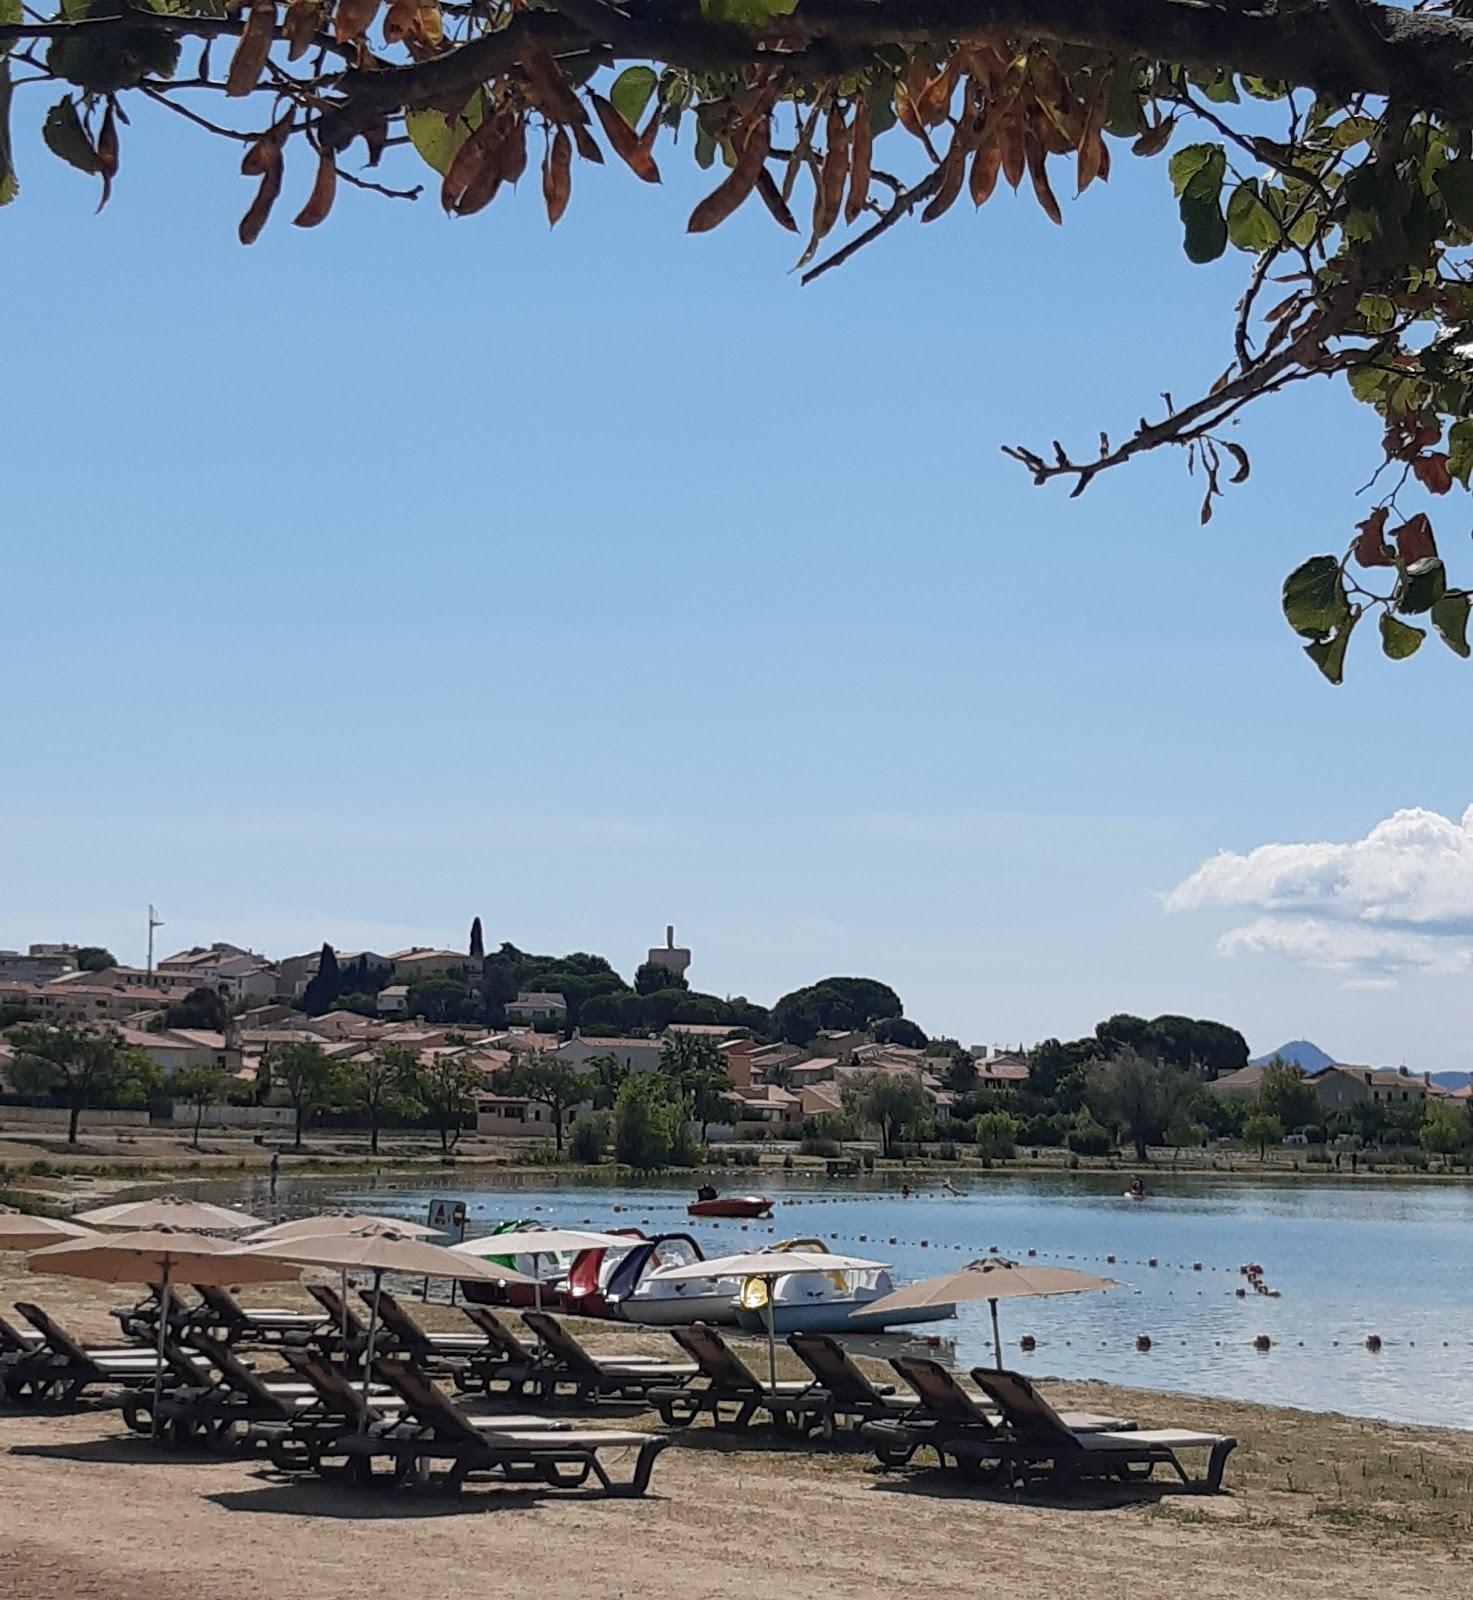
1138 1187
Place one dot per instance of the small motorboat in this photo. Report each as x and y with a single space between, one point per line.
731 1205
635 1295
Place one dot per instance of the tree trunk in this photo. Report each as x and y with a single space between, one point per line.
199 1117
373 1138
301 1116
71 1132
557 1127
1140 1150
445 1138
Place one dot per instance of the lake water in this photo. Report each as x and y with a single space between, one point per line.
1348 1261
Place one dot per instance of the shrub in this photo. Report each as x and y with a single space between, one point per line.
1088 1138
543 1154
589 1138
946 1151
996 1134
814 1146
1050 1130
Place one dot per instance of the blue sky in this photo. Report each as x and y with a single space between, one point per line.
374 578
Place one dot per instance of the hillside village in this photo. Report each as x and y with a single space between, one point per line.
214 1020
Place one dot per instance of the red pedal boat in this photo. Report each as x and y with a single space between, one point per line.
746 1205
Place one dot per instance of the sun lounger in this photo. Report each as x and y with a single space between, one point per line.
1047 1445
399 1329
223 1316
341 1405
141 1322
443 1433
215 1401
13 1342
728 1390
946 1411
341 1327
845 1394
504 1358
567 1364
61 1368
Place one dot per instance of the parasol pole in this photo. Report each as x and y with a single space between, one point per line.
158 1376
378 1283
996 1335
771 1337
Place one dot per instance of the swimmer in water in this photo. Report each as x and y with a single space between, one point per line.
949 1186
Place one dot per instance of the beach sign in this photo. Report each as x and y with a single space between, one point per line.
447 1215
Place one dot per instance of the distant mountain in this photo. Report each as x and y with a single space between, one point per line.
1451 1080
1302 1053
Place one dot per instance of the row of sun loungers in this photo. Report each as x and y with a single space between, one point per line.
325 1414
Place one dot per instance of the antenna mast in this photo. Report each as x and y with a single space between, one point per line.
154 921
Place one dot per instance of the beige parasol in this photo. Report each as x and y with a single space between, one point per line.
157 1256
335 1221
170 1211
769 1265
21 1231
992 1279
376 1251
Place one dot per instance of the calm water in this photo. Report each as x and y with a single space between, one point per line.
1348 1261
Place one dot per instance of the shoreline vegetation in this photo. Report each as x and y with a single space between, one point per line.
37 1165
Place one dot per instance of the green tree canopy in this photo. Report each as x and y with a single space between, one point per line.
200 1008
833 1003
95 958
901 1031
1138 1095
310 1078
1283 1093
548 1080
200 1086
447 1087
84 1068
385 1083
1261 1130
894 1102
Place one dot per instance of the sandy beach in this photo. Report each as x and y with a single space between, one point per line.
1318 1506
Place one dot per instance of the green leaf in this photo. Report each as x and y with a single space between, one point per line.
747 13
1250 223
1450 618
1460 451
1423 584
1329 654
1397 639
1192 160
9 186
631 93
1222 90
880 98
1314 597
705 146
1206 232
1455 185
1352 131
436 138
66 138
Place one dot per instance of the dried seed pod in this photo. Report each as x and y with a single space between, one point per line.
249 60
738 183
557 176
625 141
319 202
860 151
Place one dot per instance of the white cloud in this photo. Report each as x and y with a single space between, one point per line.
1370 985
1401 898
